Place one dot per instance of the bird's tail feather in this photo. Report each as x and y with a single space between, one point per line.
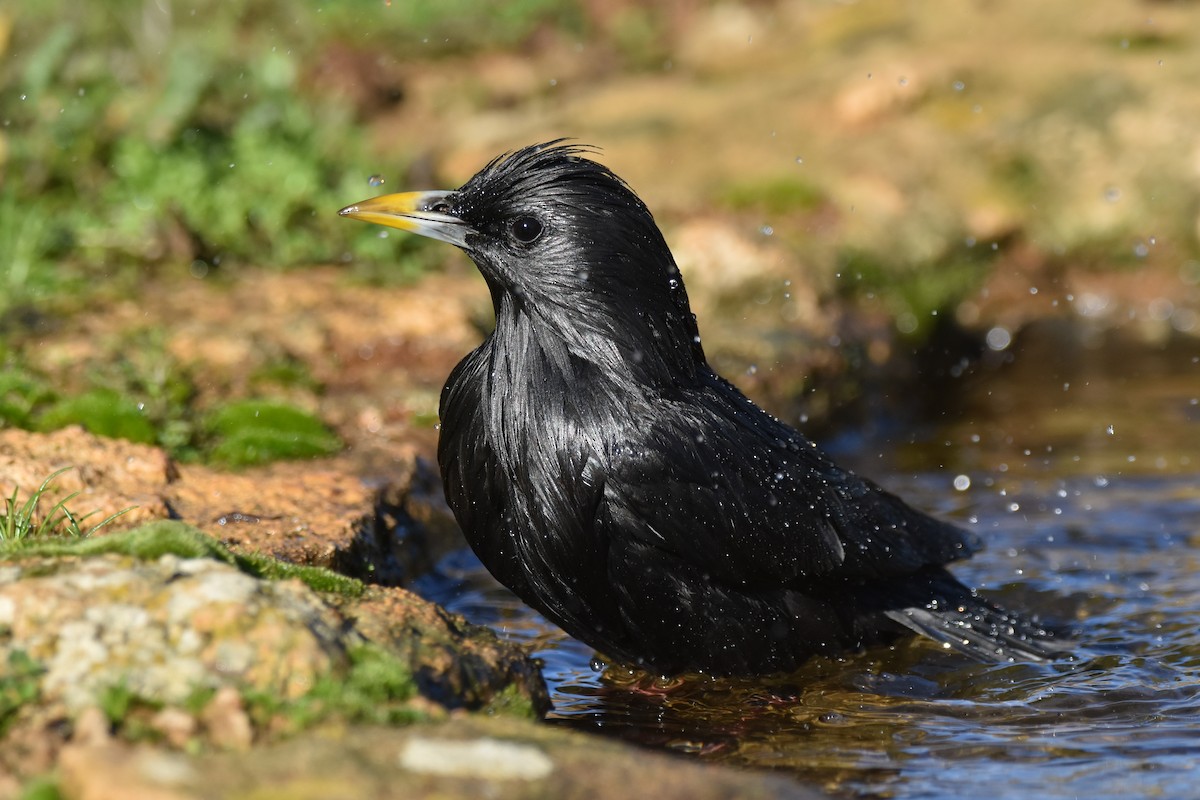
981 631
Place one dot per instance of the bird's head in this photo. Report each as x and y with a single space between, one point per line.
560 239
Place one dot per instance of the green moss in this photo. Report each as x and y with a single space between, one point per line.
1019 174
146 395
316 578
104 412
41 788
18 685
148 542
129 713
21 393
116 701
258 431
1141 40
512 702
915 294
375 688
285 372
773 196
163 537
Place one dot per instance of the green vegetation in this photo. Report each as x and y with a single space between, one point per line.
773 196
147 396
915 293
161 537
208 136
102 411
21 393
18 685
512 702
42 788
141 394
21 522
375 688
255 431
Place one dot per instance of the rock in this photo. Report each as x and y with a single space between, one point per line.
305 512
455 663
198 652
462 758
107 476
484 758
113 771
163 629
226 721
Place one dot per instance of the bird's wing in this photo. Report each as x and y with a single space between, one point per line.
717 481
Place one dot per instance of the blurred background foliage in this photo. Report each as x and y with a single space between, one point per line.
140 133
149 139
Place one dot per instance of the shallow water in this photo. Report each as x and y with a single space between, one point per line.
1089 499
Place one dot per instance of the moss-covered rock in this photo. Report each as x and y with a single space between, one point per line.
176 639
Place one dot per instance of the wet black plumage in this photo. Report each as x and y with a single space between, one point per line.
603 472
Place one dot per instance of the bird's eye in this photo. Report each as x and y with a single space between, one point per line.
525 229
441 207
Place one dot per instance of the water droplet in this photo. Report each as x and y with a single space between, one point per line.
959 86
1111 430
799 160
375 180
766 230
998 338
962 482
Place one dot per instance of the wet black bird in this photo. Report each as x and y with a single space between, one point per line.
609 477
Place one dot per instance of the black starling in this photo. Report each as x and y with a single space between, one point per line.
609 477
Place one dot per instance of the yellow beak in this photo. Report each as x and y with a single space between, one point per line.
414 211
